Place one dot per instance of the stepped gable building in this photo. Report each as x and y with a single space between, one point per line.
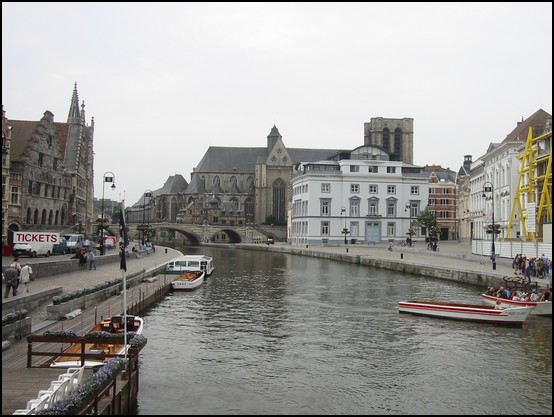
255 180
51 173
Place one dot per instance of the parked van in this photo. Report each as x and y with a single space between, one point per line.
34 244
74 242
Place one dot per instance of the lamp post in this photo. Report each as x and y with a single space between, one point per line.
345 230
108 177
489 188
147 193
409 210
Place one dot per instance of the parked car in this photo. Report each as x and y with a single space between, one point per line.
61 248
32 249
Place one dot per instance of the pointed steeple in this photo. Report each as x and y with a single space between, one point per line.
83 112
74 112
272 138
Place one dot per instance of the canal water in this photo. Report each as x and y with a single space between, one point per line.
273 333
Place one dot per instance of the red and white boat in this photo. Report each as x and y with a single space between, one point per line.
542 308
514 316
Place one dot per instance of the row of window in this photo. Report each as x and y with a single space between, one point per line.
55 161
301 229
355 189
46 190
300 208
372 169
45 217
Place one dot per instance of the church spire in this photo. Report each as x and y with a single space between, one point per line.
74 112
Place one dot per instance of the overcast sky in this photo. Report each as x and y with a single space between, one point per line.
164 81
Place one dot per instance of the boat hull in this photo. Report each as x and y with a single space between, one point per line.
484 314
541 308
188 281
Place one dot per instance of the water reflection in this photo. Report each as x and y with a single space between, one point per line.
280 334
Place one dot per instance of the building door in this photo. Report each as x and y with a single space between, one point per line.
373 232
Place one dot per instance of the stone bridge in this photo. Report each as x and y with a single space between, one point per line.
205 233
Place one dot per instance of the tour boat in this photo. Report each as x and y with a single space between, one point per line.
191 263
115 325
188 281
469 312
542 308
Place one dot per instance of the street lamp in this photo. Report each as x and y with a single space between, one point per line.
345 230
409 210
147 193
108 177
489 188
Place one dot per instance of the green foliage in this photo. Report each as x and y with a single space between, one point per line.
13 317
147 230
426 219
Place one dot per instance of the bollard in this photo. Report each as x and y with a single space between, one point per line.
401 256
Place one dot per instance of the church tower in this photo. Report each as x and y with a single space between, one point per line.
396 136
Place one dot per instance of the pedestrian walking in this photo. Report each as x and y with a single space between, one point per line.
12 280
26 276
15 264
91 259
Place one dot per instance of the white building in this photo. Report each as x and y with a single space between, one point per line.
361 192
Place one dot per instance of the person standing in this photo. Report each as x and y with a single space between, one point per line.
91 260
15 264
26 275
12 280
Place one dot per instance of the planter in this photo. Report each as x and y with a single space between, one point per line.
17 329
57 311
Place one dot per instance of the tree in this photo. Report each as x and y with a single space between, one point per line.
426 219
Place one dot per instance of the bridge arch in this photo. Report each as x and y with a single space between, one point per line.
196 234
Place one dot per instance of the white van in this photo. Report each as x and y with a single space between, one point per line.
34 244
74 242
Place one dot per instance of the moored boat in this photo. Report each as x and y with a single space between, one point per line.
541 308
191 263
188 281
115 325
514 316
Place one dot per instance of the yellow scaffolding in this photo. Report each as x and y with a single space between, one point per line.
534 182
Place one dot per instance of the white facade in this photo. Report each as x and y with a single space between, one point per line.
499 168
367 197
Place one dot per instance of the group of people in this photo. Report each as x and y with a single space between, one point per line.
86 258
507 293
15 274
540 267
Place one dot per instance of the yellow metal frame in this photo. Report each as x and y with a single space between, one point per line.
528 167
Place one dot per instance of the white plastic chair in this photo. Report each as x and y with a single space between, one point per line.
22 411
58 393
75 375
40 403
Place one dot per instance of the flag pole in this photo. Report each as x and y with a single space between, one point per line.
123 242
